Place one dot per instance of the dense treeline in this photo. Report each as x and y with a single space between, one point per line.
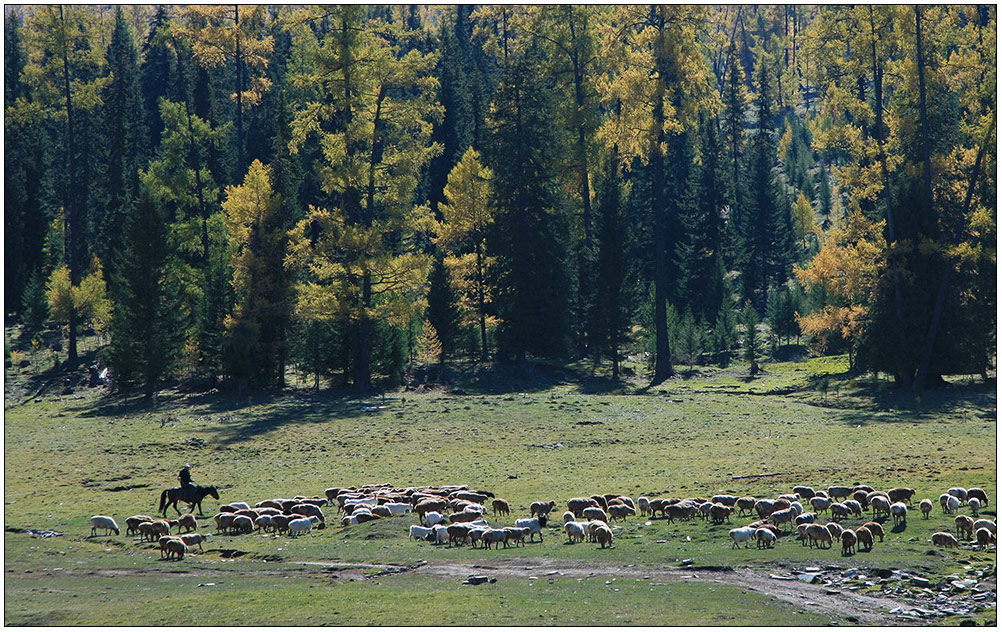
232 192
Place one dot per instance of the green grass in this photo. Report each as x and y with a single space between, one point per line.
64 456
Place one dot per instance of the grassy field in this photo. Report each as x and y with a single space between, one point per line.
67 458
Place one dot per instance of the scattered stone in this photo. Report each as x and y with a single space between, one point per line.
809 578
688 562
921 582
784 578
474 580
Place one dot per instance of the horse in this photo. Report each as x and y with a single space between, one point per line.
191 494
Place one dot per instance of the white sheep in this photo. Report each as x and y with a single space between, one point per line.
603 535
595 513
741 534
880 504
433 518
854 507
984 523
440 534
975 505
765 538
191 539
302 525
950 503
899 511
575 531
838 510
958 492
107 523
644 505
418 532
568 517
820 504
239 505
925 506
534 525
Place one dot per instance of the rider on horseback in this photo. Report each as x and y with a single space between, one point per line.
185 475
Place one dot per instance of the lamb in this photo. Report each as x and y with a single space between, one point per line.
745 505
418 532
925 506
899 511
984 538
900 494
621 512
949 502
187 521
765 538
838 510
302 525
817 534
984 523
540 508
875 528
534 525
242 524
191 539
500 507
741 534
977 492
575 532
964 525
603 535
854 507
839 491
720 512
106 523
957 492
975 505
848 542
176 548
941 538
880 505
644 504
132 523
804 491
578 505
864 538
517 534
820 503
595 513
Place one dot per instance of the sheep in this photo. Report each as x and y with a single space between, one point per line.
432 518
399 509
470 496
764 538
621 512
417 532
765 507
704 510
476 534
382 511
925 506
899 511
164 539
578 505
741 534
977 492
440 534
880 505
838 510
626 500
941 538
871 495
534 525
249 513
568 517
821 493
949 503
797 508
500 507
964 524
783 516
876 529
791 498
269 504
313 500
517 534
975 505
854 507
223 520
302 525
575 532
839 491
589 528
465 516
719 513
806 518
188 522
644 505
363 518
835 529
817 534
745 505
132 523
680 511
820 503
265 523
984 523
804 491
425 506
191 539
900 494
240 505
268 511
865 488
242 524
864 539
658 505
724 499
601 500
595 513
802 533
603 535
539 508
281 522
155 529
106 523
860 496
176 548
848 542
496 536
957 492
306 509
984 538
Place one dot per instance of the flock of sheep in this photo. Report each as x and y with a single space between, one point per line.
455 515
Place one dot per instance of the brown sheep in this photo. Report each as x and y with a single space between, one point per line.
964 525
539 508
188 522
427 505
804 491
164 539
860 496
517 534
500 507
941 538
720 513
603 535
680 511
985 537
224 520
839 491
864 538
835 529
595 513
601 500
876 529
306 509
578 505
269 504
621 512
977 492
765 507
848 542
457 533
191 539
132 523
781 504
817 534
900 494
382 511
745 505
463 516
176 548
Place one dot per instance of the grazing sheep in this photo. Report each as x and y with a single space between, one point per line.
820 504
164 539
741 534
860 497
603 535
900 494
540 508
281 522
153 530
534 525
854 507
590 527
765 538
745 505
265 523
957 492
782 517
941 538
364 517
818 535
838 510
495 536
242 524
658 505
575 532
578 505
465 516
516 535
601 500
425 506
802 533
805 518
302 525
964 525
839 491
680 511
399 509
440 534
417 532
864 538
880 505
458 533
871 495
950 503
473 497
191 539
644 505
176 548
223 520
821 493
984 523
626 500
382 511
975 505
835 529
500 507
106 523
595 513
791 498
720 512
848 542
797 508
925 506
132 523
899 511
804 491
876 529
268 504
865 488
725 499
432 518
984 538
977 492
306 509
765 507
476 534
621 512
704 510
568 517
187 521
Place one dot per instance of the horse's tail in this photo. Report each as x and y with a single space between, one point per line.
163 501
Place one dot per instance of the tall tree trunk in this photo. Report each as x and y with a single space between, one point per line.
926 157
582 144
662 354
482 312
240 87
73 220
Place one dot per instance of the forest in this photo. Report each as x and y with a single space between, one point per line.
242 193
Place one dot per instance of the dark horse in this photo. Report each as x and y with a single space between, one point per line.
191 494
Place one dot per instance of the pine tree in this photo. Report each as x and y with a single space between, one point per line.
610 319
443 310
34 305
725 327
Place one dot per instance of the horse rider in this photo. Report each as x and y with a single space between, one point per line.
184 476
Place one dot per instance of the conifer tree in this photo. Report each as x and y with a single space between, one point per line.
443 310
610 318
